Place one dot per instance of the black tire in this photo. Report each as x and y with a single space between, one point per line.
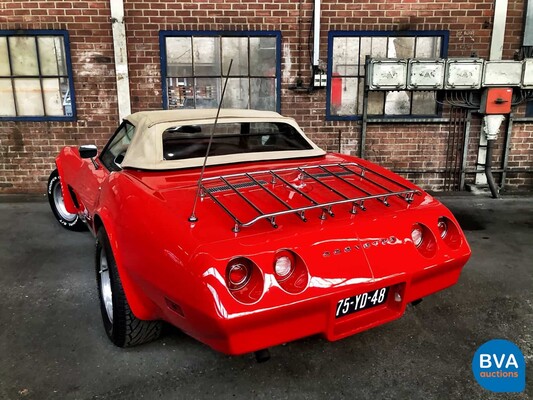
122 327
67 220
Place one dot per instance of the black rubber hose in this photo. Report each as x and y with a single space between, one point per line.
488 170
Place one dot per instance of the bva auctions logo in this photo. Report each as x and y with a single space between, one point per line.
499 366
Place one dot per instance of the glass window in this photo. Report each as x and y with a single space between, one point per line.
191 141
347 55
114 152
195 65
35 78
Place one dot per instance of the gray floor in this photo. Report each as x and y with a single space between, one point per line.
52 344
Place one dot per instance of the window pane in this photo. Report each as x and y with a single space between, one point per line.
28 95
206 56
4 59
346 56
424 103
191 141
207 92
347 103
428 47
236 49
114 154
182 96
366 49
263 94
179 56
360 94
379 47
122 140
375 103
178 90
236 95
53 102
52 55
65 96
401 47
7 105
263 56
23 55
397 103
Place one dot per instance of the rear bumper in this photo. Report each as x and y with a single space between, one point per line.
261 329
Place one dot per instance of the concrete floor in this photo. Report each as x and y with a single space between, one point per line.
53 346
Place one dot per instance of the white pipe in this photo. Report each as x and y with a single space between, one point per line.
316 33
498 30
496 53
528 28
121 58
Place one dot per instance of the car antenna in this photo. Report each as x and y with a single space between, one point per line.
193 217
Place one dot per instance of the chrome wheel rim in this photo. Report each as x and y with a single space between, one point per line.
105 286
59 203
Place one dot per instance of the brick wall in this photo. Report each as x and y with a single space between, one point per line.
520 157
27 149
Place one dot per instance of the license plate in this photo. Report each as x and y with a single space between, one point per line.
362 301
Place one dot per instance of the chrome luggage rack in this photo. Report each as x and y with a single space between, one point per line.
316 173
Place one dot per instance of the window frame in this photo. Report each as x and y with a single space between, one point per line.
164 34
66 42
443 34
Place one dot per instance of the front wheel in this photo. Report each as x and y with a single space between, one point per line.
123 328
55 197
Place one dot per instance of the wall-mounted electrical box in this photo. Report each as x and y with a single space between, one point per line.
426 74
464 73
319 78
450 74
496 101
502 73
387 74
527 74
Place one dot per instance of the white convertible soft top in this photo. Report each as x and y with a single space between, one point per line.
146 148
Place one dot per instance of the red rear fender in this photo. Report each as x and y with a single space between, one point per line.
141 306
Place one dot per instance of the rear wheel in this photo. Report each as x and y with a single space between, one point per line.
55 197
123 328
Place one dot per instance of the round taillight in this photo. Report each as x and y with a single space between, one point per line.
283 266
442 226
290 271
450 233
417 234
424 240
244 280
238 275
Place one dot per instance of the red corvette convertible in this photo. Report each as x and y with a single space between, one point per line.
276 241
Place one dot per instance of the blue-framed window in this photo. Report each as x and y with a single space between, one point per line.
194 65
346 71
36 76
